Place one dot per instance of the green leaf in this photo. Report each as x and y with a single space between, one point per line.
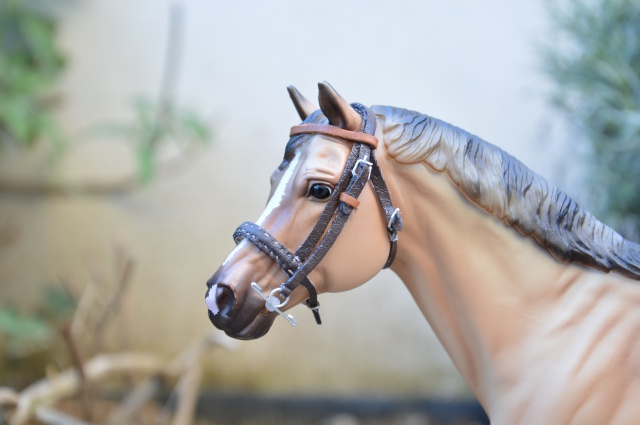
58 303
194 128
22 327
29 63
146 164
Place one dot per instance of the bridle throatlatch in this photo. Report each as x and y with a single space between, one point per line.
361 167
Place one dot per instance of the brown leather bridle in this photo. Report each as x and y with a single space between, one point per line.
361 167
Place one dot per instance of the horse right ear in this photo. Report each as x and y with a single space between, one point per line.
303 105
336 109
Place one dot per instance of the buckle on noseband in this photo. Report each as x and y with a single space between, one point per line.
273 303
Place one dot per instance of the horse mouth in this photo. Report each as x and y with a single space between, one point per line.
257 328
240 320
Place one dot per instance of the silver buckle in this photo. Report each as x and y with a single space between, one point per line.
392 219
362 162
273 303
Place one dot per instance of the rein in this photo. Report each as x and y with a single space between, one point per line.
360 168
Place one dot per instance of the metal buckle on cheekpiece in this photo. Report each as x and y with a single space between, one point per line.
273 303
362 163
393 232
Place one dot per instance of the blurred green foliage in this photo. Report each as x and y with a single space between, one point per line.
21 332
25 333
595 64
154 124
30 62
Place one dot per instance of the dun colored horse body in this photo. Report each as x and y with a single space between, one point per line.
507 269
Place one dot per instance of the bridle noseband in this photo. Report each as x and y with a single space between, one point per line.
360 168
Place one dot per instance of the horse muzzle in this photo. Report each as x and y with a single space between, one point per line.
239 315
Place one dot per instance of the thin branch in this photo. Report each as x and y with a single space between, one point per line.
124 280
51 416
187 393
79 366
144 392
47 391
172 59
84 307
8 397
189 362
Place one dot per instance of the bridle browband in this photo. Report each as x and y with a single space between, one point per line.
360 168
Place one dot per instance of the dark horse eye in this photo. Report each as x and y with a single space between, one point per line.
320 191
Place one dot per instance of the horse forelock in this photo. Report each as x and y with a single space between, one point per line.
503 186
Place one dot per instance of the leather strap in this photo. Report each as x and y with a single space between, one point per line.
284 258
394 218
329 210
330 130
263 240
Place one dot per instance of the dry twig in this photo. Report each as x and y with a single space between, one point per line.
48 391
186 366
83 394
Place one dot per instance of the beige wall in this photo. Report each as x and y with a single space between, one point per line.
470 63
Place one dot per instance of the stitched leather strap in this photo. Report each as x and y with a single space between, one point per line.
269 245
284 258
330 130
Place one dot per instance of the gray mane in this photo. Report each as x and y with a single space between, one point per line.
506 188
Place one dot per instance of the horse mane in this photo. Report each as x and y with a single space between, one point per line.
507 189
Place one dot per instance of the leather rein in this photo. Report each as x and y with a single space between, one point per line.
361 167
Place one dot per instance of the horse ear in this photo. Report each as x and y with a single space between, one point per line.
303 105
336 109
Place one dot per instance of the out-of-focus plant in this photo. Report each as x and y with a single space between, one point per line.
30 63
24 334
595 64
78 378
162 122
155 124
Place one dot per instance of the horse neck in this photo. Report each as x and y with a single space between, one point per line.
476 280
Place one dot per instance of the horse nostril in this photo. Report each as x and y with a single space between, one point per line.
224 297
220 298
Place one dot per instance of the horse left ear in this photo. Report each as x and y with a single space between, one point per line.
302 104
336 109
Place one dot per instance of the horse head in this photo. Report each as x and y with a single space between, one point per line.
292 252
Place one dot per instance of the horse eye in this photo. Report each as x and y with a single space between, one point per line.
320 191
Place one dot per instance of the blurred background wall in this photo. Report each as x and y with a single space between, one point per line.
474 64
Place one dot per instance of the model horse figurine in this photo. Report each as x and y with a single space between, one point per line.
509 271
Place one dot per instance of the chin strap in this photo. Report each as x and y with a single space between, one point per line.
361 167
